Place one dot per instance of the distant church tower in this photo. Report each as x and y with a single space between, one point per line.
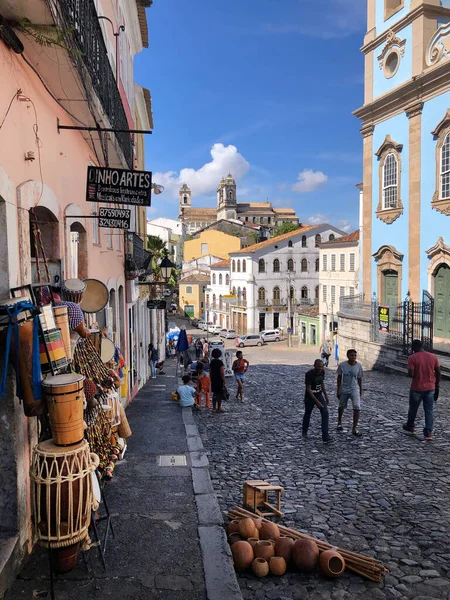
226 199
185 196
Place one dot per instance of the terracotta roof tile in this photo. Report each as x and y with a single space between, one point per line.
274 240
195 278
221 264
143 24
200 212
351 237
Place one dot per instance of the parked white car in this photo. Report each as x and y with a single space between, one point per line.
252 339
216 329
228 334
216 344
271 335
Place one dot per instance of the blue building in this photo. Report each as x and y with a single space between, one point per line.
406 138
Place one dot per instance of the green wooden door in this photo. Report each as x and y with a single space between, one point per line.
189 310
442 302
390 288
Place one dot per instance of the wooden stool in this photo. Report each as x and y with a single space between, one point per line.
256 498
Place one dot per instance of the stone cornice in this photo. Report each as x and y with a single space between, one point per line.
414 110
388 144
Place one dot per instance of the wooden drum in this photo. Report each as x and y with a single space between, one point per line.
62 323
96 296
65 403
73 289
62 497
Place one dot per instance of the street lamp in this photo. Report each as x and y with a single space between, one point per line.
116 35
166 267
157 189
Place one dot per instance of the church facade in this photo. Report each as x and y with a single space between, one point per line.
252 213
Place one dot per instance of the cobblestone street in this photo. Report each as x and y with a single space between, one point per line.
384 495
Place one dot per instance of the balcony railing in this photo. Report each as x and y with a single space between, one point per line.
85 38
138 260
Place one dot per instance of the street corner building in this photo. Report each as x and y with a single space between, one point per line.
68 101
405 127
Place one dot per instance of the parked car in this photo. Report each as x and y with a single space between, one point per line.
216 329
252 339
270 335
210 326
228 334
216 344
201 325
194 322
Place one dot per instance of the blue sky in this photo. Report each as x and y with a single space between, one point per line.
264 88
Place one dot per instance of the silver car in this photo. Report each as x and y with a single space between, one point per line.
252 339
271 335
228 334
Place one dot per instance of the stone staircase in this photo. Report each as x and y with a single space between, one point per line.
400 365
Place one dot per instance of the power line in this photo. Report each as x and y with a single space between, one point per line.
9 107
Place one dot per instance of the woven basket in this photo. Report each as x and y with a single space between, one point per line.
124 427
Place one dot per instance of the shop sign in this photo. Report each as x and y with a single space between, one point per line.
160 304
119 186
383 319
117 218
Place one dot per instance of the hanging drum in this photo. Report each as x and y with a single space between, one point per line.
62 497
65 403
95 297
73 290
107 350
62 323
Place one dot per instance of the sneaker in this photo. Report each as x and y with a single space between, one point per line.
408 430
340 428
428 436
356 433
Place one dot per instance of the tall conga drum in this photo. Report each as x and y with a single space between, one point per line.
62 323
62 499
65 403
72 290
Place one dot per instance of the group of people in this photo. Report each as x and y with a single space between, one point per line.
423 369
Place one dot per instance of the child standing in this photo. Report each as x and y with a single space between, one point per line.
203 386
240 367
349 385
186 392
316 395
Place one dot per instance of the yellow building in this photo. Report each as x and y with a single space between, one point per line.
192 295
211 242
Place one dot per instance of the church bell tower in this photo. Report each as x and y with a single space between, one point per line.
185 196
226 199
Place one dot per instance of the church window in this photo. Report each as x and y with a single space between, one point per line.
233 266
445 168
244 266
276 266
304 293
318 239
290 265
303 241
238 266
331 237
390 182
185 199
317 265
214 279
391 7
290 244
230 195
220 279
261 266
227 279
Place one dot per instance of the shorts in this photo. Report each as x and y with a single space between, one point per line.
355 397
240 376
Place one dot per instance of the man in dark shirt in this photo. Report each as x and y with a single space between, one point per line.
316 395
218 381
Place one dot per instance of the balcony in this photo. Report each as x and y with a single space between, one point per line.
138 261
83 80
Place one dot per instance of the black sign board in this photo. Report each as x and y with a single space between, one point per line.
118 218
383 319
119 186
161 304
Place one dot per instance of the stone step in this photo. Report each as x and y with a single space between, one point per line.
9 560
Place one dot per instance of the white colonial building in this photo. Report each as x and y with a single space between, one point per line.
218 312
339 277
275 278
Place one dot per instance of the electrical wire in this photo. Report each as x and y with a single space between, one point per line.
9 107
37 141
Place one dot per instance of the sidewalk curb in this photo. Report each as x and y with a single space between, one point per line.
220 576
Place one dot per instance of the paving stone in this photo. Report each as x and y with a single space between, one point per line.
172 582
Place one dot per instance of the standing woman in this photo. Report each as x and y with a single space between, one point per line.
153 358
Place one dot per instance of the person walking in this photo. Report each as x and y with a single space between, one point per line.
218 381
316 395
240 367
153 358
349 386
205 348
325 351
425 371
198 348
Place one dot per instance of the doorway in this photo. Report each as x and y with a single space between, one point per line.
390 288
442 302
313 335
262 321
276 320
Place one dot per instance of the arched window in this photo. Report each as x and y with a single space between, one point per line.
220 302
238 266
276 295
239 294
261 266
445 168
214 301
290 265
316 293
318 239
291 293
207 299
331 237
220 278
244 266
304 265
290 244
234 291
227 279
303 241
244 296
317 264
276 266
214 279
230 195
390 182
304 293
233 266
261 296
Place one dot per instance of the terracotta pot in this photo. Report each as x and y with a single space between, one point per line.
331 564
242 555
264 549
234 537
253 541
255 533
232 527
260 567
273 542
258 522
247 528
269 531
283 547
277 566
65 559
305 555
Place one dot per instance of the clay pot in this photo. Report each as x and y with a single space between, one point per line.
253 541
331 564
258 522
234 537
255 533
260 567
264 549
269 531
65 559
242 555
232 527
283 547
305 555
246 528
277 566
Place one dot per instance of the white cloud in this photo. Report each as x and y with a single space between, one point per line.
345 225
225 159
309 180
317 219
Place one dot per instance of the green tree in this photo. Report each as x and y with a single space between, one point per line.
285 227
158 249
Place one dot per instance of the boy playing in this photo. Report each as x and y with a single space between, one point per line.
349 385
186 392
316 395
240 367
